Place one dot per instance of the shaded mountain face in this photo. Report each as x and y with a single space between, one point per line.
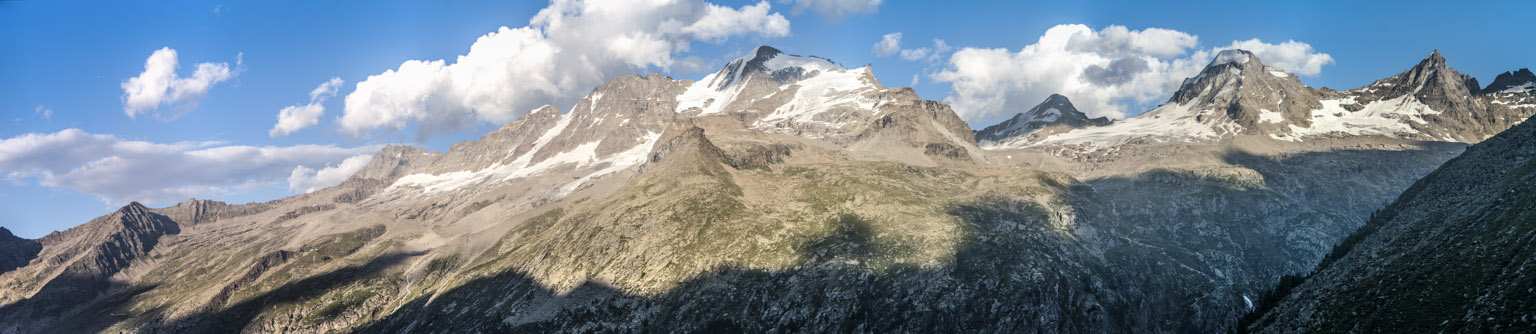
80 264
16 251
1522 81
1055 114
1452 254
1237 95
1253 195
781 192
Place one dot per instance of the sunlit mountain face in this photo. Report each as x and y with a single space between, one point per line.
788 166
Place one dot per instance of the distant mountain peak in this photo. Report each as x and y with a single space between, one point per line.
1237 57
782 67
1434 58
1431 77
1055 111
1226 70
133 206
1521 81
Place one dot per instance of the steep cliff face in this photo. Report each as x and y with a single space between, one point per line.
1450 255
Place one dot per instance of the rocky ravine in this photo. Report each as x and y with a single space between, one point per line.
782 192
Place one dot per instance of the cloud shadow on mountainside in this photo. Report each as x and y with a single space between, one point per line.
994 283
1244 225
240 315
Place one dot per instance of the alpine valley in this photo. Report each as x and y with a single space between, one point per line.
788 193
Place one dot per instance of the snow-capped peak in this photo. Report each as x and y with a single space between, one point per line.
1522 81
783 67
718 90
1023 127
1231 56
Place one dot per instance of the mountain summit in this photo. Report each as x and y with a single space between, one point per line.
1055 114
1522 81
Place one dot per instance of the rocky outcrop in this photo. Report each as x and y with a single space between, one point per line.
394 161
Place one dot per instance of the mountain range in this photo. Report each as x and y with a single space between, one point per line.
789 193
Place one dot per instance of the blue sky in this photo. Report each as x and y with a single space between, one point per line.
70 59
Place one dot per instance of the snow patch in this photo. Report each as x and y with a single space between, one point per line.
712 94
1230 56
1050 115
1523 88
580 156
809 64
1279 74
617 162
1169 121
1266 116
1390 117
706 97
822 92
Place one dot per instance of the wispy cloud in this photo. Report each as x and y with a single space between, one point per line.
118 170
890 44
834 9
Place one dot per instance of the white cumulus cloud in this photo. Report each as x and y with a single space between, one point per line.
117 170
160 85
567 48
297 117
1292 56
888 44
835 9
308 180
1104 72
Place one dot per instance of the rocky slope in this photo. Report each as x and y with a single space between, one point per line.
1450 255
1215 175
781 192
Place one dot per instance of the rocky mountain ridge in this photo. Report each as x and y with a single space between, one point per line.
781 192
1237 95
16 251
